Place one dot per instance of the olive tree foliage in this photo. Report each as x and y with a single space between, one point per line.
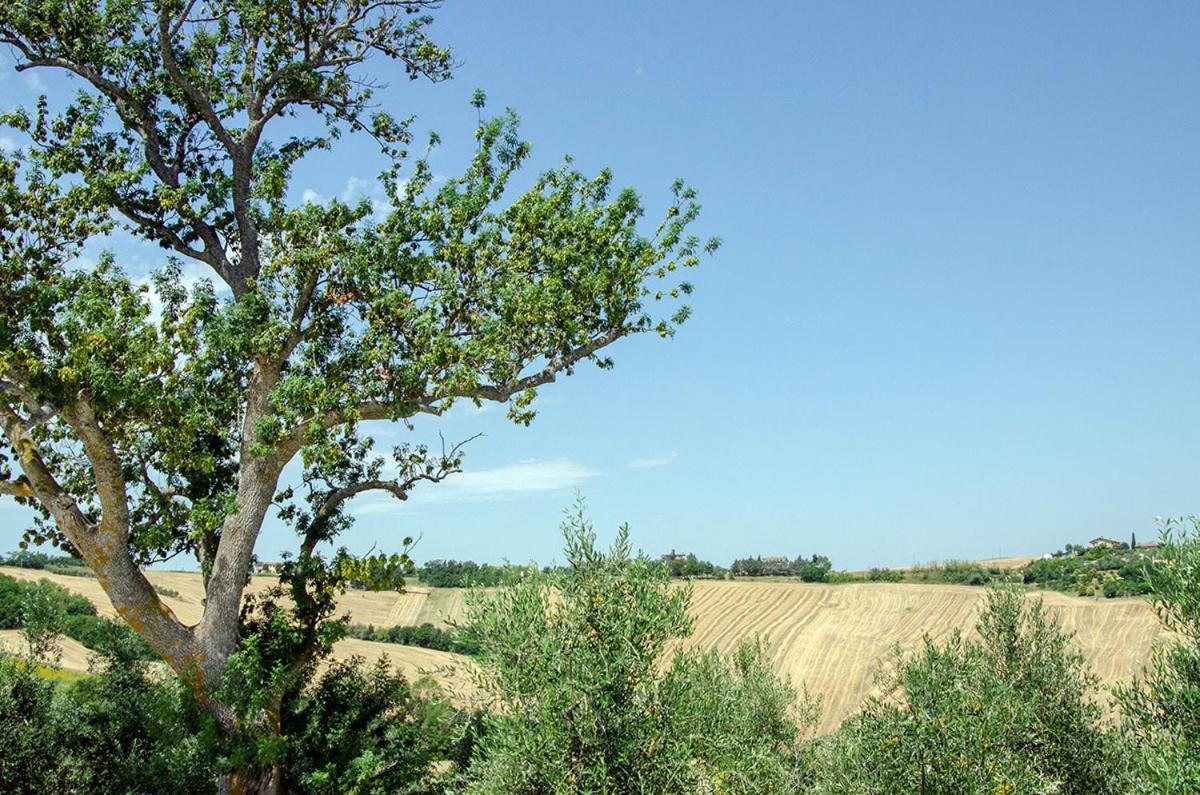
145 421
592 692
1161 710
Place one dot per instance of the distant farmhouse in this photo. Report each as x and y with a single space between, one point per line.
672 556
268 566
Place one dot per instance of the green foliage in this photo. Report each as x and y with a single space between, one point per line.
13 593
1161 710
1013 712
583 703
691 566
57 564
1084 571
364 730
885 575
57 610
145 421
426 636
459 574
954 572
814 569
41 623
120 731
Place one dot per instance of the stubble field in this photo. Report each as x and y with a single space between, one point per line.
829 638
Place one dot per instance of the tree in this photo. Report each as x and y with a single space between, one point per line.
41 624
140 433
586 696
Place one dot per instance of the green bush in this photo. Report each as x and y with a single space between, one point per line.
13 594
1012 712
1161 711
574 663
1081 571
885 575
119 731
954 573
365 730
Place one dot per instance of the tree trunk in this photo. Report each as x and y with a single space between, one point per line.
264 783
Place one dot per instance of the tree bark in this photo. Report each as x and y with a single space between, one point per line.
266 782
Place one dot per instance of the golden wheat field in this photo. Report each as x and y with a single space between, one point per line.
829 638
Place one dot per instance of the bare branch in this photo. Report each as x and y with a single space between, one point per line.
449 463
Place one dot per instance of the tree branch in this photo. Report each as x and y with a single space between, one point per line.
448 464
16 488
548 374
107 554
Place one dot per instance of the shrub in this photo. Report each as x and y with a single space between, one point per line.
1161 711
1011 712
119 731
583 702
365 730
885 575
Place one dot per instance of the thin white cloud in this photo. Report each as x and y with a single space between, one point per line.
34 81
310 196
7 144
358 188
654 461
524 478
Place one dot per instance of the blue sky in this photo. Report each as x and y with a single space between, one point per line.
954 315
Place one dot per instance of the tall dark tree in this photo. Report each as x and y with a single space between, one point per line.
144 422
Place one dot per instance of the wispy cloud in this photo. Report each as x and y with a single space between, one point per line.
654 461
512 480
7 144
34 81
358 188
310 196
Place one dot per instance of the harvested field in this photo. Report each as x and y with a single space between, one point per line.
830 638
75 656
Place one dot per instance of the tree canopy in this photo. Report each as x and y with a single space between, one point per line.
148 419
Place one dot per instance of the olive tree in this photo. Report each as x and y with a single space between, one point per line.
144 421
1161 709
592 689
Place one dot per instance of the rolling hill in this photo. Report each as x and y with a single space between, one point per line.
830 638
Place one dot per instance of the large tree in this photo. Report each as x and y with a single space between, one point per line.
147 420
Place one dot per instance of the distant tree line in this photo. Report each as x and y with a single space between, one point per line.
459 574
425 636
55 564
814 569
46 610
691 566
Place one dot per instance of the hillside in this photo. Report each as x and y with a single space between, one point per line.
831 638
